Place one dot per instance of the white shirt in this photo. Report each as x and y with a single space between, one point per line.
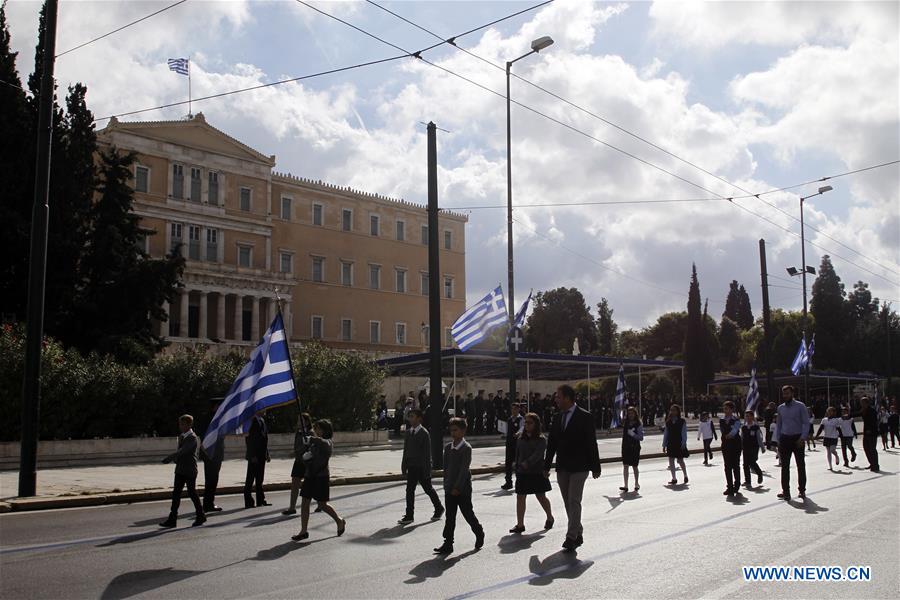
416 429
831 427
459 445
846 426
706 430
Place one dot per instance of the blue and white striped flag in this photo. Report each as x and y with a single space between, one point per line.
264 382
520 316
619 404
811 350
182 66
753 394
474 324
800 359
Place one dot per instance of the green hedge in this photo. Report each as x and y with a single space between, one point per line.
93 396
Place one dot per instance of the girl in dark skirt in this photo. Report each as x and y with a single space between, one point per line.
632 435
675 442
301 445
530 478
316 485
831 425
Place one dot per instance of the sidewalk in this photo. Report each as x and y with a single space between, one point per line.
135 483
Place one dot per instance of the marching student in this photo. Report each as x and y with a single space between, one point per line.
674 442
416 466
316 485
831 424
298 470
769 422
514 426
894 425
848 433
773 429
884 416
810 438
730 428
530 477
632 435
212 465
751 444
458 486
870 433
707 431
185 459
257 440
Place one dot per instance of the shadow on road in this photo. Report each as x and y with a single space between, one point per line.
272 520
808 506
738 499
560 565
512 543
282 550
135 537
138 582
435 567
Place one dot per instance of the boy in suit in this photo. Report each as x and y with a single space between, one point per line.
573 441
185 459
730 428
257 456
416 465
212 464
458 486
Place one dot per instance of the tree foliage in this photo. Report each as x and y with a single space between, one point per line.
559 316
606 329
695 338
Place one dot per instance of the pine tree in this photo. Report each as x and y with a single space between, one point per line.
745 312
828 306
710 345
694 339
606 329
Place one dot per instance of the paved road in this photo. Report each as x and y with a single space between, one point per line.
663 543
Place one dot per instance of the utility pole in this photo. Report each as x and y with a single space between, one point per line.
37 263
767 327
436 400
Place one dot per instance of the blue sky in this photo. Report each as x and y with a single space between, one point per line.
761 94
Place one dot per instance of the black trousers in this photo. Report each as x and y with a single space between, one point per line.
256 472
751 456
707 449
847 442
787 446
870 446
464 503
417 476
732 458
510 461
210 483
191 482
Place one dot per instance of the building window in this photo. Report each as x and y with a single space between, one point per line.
213 191
448 287
245 199
194 242
195 184
318 325
374 332
347 219
401 231
245 256
318 269
448 338
400 329
212 245
424 284
176 239
374 277
346 330
287 262
425 234
401 280
285 208
374 225
317 217
346 273
178 181
448 239
141 179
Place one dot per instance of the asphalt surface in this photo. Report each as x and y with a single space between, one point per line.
683 542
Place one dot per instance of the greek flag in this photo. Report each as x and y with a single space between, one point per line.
474 324
182 66
520 316
753 394
264 382
811 350
620 398
800 359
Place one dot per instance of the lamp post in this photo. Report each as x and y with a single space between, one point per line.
792 271
536 46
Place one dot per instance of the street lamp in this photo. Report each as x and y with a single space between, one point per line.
792 271
536 46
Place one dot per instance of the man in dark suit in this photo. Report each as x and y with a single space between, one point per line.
416 465
514 426
212 464
257 456
573 441
185 459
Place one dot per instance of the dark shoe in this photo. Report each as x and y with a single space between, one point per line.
517 529
785 497
728 492
624 489
569 545
200 520
289 511
579 541
249 504
507 486
479 539
802 494
759 479
405 520
747 485
212 509
263 503
673 482
685 481
318 509
438 513
342 528
168 523
445 548
300 536
548 524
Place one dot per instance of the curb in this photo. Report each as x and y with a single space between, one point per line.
49 503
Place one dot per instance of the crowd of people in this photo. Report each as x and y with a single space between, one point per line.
570 446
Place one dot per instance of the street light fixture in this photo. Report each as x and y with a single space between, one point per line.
536 46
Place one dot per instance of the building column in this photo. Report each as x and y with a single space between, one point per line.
254 320
288 320
204 316
220 317
185 301
238 314
164 325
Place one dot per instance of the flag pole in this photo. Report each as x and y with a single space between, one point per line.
287 347
190 111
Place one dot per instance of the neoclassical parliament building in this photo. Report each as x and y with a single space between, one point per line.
350 267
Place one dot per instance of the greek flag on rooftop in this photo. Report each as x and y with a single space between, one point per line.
180 65
800 359
474 324
620 397
753 394
264 382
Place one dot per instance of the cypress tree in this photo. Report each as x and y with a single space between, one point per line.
694 359
606 329
828 306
